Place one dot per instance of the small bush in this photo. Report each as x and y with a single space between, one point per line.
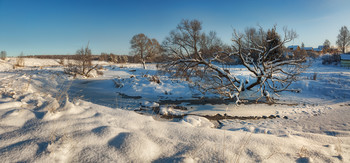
99 73
61 61
155 79
331 59
82 64
72 68
19 61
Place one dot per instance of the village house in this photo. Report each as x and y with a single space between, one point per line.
319 49
294 47
297 47
308 49
345 60
322 50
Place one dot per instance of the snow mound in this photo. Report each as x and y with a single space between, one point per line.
136 146
197 121
8 105
102 131
36 62
83 131
17 117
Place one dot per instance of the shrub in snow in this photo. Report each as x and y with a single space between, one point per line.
137 146
331 59
61 61
155 79
82 64
19 61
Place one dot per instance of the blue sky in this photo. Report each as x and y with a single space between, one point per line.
63 26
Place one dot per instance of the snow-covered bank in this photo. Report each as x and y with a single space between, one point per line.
40 123
86 132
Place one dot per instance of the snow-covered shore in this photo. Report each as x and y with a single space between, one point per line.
41 122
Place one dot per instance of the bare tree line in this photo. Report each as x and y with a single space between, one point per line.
202 58
145 49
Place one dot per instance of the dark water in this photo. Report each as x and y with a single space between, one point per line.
102 92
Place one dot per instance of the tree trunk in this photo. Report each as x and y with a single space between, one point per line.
144 64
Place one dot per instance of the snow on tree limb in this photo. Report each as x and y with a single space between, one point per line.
199 56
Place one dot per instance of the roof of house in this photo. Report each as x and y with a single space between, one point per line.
294 47
318 49
308 48
345 56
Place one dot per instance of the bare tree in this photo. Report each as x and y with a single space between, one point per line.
83 63
302 53
103 57
84 59
326 45
189 48
139 46
153 49
272 74
3 55
125 58
121 59
261 53
144 48
113 58
343 40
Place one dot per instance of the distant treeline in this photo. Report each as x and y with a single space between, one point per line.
103 57
54 56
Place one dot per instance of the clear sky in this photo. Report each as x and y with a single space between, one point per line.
63 26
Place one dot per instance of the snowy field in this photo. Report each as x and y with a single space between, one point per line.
124 116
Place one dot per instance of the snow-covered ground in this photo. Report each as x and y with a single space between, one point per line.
46 116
